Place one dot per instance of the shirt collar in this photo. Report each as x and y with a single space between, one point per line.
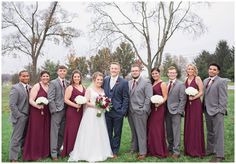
137 79
24 85
173 81
61 79
114 78
213 78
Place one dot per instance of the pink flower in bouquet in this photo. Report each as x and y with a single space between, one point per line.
103 103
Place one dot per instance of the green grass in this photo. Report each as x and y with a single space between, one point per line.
124 156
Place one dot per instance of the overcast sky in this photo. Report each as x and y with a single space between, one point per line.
219 19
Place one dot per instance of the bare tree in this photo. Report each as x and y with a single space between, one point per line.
28 28
152 22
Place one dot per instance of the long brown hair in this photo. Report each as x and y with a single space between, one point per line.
73 73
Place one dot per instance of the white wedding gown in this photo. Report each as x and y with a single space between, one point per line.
92 142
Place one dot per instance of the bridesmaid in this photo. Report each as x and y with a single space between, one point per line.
37 141
156 143
74 112
194 144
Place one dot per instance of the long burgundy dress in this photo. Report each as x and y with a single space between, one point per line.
37 141
73 119
194 144
156 140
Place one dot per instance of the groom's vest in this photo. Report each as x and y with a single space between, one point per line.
110 92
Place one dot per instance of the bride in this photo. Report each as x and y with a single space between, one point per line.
92 142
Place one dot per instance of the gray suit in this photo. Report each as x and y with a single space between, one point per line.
139 109
56 106
175 108
215 105
19 106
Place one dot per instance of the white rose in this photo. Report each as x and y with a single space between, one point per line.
80 100
157 99
42 101
191 91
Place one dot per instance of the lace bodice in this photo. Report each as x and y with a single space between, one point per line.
94 94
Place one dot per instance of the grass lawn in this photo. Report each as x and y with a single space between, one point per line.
124 156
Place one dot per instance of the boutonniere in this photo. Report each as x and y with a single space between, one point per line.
117 82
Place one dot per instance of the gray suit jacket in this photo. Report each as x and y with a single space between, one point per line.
56 95
215 96
177 98
18 102
139 101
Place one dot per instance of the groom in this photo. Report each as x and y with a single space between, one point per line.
117 89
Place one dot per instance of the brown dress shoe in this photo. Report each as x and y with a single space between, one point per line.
141 157
132 152
175 156
13 160
217 159
169 154
114 156
54 158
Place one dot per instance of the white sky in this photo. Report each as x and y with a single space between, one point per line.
219 19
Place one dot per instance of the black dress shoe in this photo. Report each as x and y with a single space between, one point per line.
209 154
217 159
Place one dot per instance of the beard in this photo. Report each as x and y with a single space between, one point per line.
136 77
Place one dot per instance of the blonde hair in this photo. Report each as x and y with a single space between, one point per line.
115 63
194 68
96 74
172 68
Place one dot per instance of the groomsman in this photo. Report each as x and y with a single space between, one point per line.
215 105
117 89
19 107
140 91
175 108
56 92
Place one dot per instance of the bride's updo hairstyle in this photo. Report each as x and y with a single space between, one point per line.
96 74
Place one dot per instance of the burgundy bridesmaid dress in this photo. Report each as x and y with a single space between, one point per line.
37 141
194 144
156 140
73 119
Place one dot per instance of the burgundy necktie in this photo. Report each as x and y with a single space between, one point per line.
63 84
27 90
170 85
208 82
134 83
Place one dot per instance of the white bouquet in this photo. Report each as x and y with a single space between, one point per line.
157 99
191 91
80 100
42 101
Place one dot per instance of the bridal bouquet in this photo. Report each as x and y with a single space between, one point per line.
80 100
104 104
157 99
42 101
191 91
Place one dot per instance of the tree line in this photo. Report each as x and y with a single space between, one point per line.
124 54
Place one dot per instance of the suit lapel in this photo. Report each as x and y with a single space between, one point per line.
173 85
59 83
212 84
136 86
116 85
23 89
107 86
130 85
